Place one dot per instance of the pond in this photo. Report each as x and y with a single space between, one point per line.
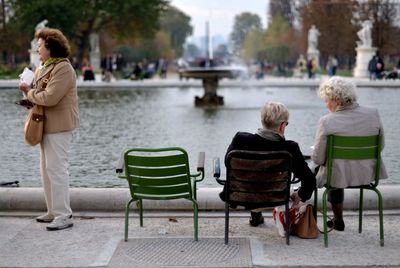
113 120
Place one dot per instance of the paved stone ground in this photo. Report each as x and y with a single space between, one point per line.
96 241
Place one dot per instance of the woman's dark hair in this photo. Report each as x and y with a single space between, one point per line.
55 41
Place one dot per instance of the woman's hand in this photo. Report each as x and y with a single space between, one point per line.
24 87
295 198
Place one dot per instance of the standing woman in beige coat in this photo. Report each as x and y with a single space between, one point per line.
60 102
346 118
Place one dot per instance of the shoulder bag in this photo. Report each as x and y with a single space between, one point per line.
34 125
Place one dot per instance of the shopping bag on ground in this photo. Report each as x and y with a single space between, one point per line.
278 214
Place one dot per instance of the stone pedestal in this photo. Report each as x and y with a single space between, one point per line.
210 97
95 61
210 77
314 54
364 55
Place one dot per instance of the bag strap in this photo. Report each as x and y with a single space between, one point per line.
46 79
329 218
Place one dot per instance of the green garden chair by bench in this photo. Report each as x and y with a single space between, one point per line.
256 179
353 148
160 174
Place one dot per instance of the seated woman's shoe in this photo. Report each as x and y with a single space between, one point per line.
336 224
256 219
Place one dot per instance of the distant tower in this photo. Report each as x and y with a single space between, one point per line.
208 45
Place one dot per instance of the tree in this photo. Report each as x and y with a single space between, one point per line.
286 9
192 51
278 40
7 32
221 51
254 45
122 20
283 8
243 24
383 14
333 19
177 25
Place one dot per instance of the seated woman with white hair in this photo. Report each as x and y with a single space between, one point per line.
346 118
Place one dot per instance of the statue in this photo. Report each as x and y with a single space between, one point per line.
364 49
41 25
94 42
34 56
95 59
313 34
365 34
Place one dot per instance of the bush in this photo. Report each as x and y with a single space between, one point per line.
8 72
344 72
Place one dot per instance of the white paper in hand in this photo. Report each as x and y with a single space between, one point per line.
26 76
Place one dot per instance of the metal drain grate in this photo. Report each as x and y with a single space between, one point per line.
182 252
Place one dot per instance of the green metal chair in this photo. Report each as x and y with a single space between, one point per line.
353 148
160 174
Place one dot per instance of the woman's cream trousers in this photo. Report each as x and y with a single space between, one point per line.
54 150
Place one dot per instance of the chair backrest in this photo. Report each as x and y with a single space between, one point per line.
258 179
354 148
158 173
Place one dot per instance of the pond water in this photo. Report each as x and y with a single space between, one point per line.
115 119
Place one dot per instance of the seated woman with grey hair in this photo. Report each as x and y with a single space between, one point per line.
346 118
274 120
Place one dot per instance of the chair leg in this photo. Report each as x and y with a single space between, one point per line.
360 210
315 204
127 219
226 223
380 208
325 216
288 223
141 212
194 189
196 220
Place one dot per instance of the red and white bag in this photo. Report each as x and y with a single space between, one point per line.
278 214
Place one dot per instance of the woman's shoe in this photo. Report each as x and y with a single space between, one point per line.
60 223
46 218
336 224
256 219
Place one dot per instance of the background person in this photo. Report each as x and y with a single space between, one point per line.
372 67
87 71
380 68
311 68
346 118
331 65
271 137
60 102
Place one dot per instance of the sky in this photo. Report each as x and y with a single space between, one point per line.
220 13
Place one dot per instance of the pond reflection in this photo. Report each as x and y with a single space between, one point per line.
115 119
